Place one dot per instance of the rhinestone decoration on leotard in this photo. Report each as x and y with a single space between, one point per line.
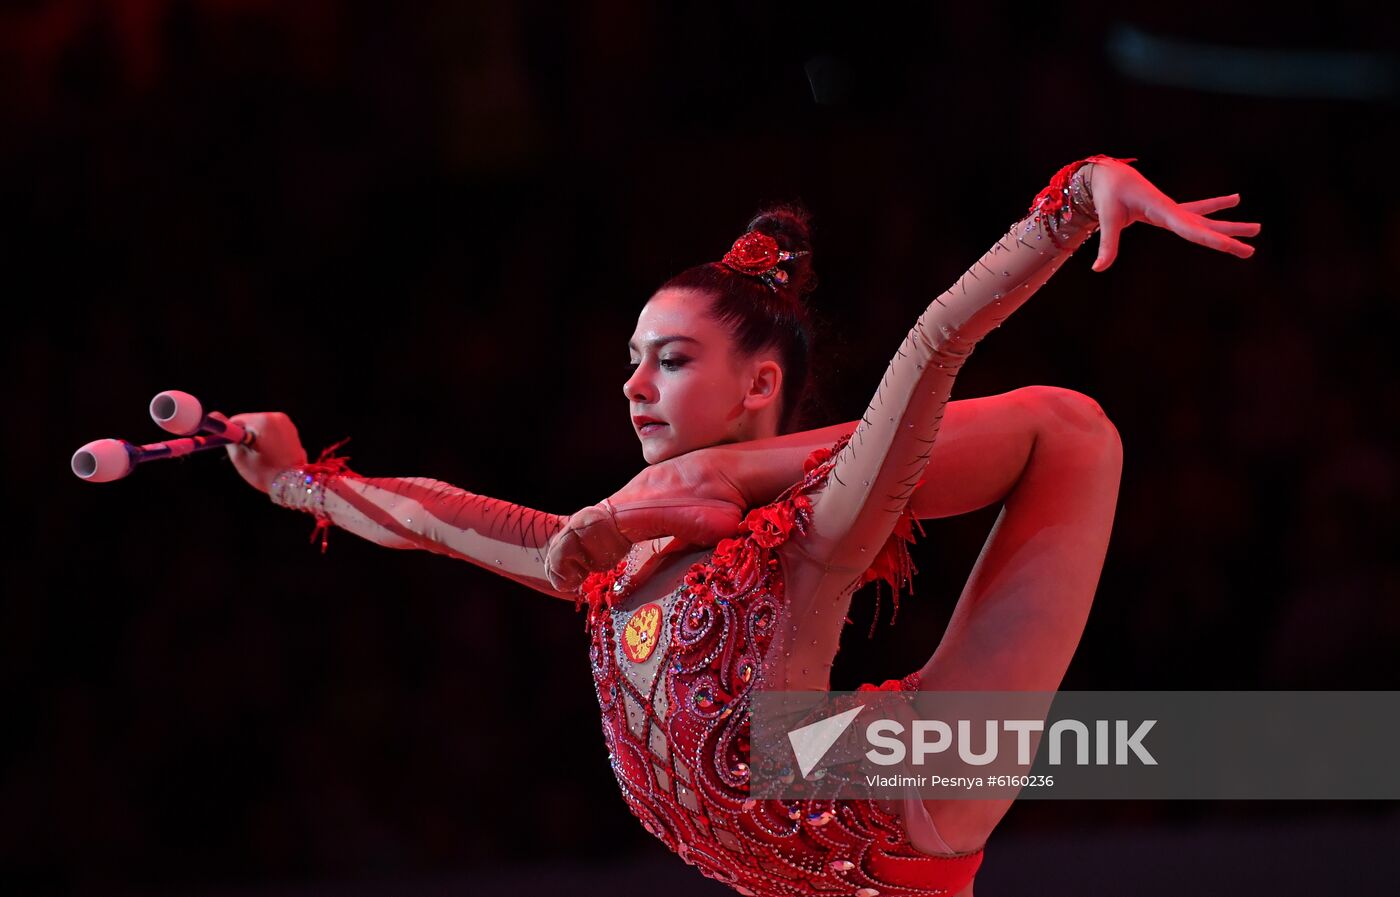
676 725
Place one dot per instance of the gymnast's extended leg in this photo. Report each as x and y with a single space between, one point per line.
1023 610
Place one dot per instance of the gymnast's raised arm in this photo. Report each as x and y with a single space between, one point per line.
875 473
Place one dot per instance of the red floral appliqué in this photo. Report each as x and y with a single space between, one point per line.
1052 201
734 568
910 682
597 592
816 459
770 524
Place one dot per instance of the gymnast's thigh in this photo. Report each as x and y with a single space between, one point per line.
982 446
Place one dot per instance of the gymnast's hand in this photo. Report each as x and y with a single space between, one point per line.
276 448
1122 196
691 497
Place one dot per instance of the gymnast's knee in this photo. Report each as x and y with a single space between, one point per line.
1067 413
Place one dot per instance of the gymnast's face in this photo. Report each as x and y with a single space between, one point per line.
686 376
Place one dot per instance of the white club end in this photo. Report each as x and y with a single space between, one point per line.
102 461
177 412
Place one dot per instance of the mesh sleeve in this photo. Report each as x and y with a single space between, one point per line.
427 514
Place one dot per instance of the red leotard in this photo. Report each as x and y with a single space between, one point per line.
673 679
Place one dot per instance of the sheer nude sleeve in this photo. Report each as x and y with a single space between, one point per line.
427 514
874 475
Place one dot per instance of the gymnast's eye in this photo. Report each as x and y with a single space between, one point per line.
670 364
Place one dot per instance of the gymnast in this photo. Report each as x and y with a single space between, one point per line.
728 564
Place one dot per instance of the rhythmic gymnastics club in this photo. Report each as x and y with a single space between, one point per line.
105 460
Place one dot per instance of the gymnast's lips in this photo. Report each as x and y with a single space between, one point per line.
646 426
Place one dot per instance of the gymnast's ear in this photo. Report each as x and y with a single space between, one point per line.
765 383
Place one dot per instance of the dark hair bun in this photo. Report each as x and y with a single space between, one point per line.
791 225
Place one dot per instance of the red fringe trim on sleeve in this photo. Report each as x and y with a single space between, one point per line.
327 465
893 566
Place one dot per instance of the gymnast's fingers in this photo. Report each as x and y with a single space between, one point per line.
1233 228
1189 227
1214 204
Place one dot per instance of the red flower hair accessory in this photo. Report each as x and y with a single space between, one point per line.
758 255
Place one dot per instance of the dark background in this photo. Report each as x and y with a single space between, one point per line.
431 227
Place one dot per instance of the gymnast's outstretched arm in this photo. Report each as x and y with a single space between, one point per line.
398 512
689 496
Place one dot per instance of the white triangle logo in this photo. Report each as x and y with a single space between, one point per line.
810 743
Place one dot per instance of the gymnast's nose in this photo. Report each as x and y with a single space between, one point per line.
639 388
